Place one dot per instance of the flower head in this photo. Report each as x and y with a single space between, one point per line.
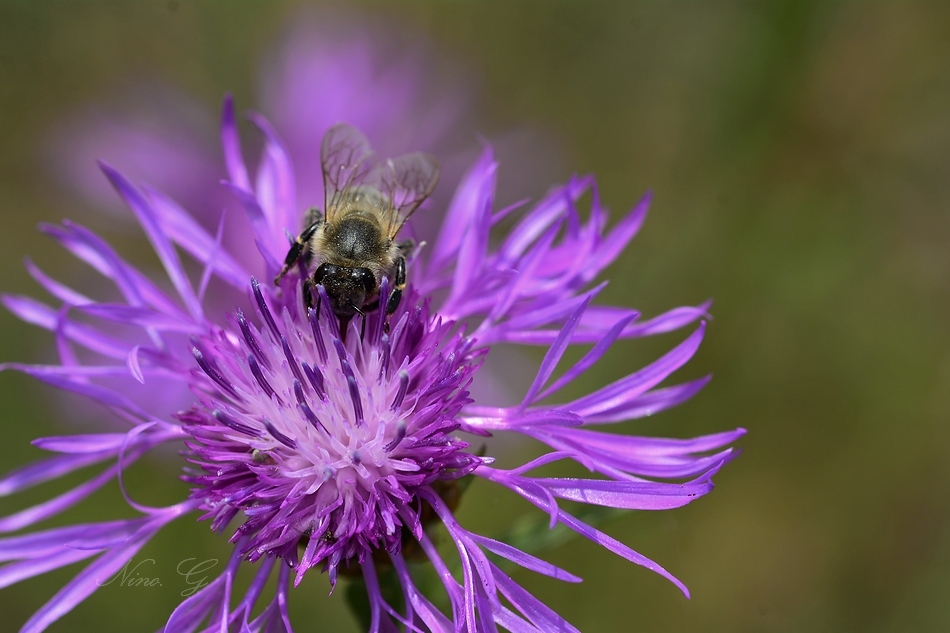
323 445
316 446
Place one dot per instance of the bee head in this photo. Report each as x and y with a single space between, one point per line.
347 288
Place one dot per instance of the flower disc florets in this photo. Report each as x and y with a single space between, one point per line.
324 441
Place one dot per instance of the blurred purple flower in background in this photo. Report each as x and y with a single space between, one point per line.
330 66
332 449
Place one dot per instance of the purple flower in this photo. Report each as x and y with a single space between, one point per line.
330 66
315 447
328 446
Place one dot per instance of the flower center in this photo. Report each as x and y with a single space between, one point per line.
324 441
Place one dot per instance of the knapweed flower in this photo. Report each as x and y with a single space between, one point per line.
321 450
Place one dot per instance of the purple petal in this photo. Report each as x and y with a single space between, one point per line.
649 403
142 317
253 593
628 388
88 247
427 612
627 495
146 215
474 242
518 286
524 559
49 468
258 221
536 611
90 579
56 505
88 536
67 356
199 605
515 623
13 573
36 313
195 240
136 288
145 318
135 367
81 443
553 355
275 181
536 222
642 456
57 377
231 144
619 237
212 257
647 447
188 615
476 187
542 417
55 288
668 321
531 319
590 357
275 618
618 548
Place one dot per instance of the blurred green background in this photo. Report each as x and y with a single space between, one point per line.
800 157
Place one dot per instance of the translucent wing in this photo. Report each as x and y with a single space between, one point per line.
406 181
347 161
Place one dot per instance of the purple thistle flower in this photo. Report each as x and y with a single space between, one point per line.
320 448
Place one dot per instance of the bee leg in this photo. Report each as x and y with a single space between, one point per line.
307 288
299 248
399 283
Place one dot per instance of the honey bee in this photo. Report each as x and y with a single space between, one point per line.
366 203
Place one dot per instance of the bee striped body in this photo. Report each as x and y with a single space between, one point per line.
353 243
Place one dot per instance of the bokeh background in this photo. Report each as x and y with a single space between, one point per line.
799 153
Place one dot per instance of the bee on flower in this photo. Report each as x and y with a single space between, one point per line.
332 422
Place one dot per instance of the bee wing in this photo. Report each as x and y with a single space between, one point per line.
347 161
406 181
